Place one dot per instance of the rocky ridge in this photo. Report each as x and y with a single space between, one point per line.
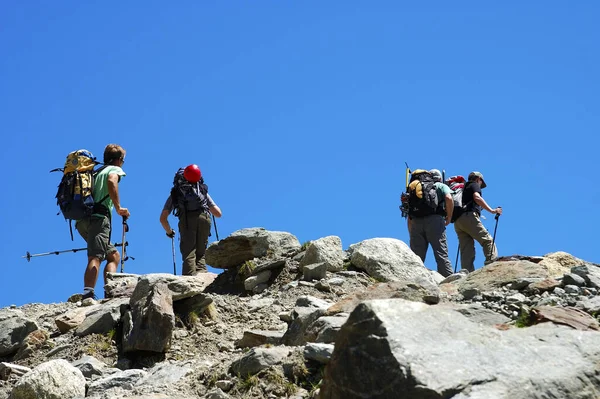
286 320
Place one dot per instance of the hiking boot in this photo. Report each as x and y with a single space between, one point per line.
89 294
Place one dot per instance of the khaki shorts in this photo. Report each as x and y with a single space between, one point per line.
96 232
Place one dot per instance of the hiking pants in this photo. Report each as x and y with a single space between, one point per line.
469 229
194 230
431 230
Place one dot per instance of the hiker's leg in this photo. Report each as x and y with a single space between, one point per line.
98 234
418 241
202 241
112 261
466 245
187 244
91 272
435 230
484 238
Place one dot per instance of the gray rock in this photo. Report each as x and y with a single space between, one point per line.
388 259
302 318
247 244
55 379
89 366
150 323
165 374
318 352
14 328
383 339
120 285
251 282
516 299
103 318
336 281
476 313
326 250
314 271
573 279
258 359
591 305
590 273
73 318
572 289
325 329
270 265
124 380
181 287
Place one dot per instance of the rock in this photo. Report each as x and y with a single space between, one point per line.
573 279
320 353
55 379
89 366
499 274
307 310
247 244
119 285
73 318
314 271
149 325
388 259
326 250
590 273
258 359
251 282
568 316
196 304
414 292
380 349
325 329
121 381
14 328
476 313
103 318
257 338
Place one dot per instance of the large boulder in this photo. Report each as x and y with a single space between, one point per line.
149 325
247 244
389 259
56 379
399 349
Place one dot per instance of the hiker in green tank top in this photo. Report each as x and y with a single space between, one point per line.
96 229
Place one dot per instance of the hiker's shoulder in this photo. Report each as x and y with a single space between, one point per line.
112 169
442 188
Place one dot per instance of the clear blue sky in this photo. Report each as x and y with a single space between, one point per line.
301 115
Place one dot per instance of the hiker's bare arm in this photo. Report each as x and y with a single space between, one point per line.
481 202
164 220
449 208
113 192
216 211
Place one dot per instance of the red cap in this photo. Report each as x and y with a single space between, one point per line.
192 173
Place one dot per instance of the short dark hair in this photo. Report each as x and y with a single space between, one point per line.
113 152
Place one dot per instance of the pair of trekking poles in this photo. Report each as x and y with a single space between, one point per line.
123 244
497 217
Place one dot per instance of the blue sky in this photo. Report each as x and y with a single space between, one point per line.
301 115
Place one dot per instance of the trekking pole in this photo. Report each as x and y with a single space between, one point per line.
457 253
173 252
495 228
215 223
30 255
125 230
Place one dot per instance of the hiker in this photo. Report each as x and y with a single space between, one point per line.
468 226
190 202
427 225
96 230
